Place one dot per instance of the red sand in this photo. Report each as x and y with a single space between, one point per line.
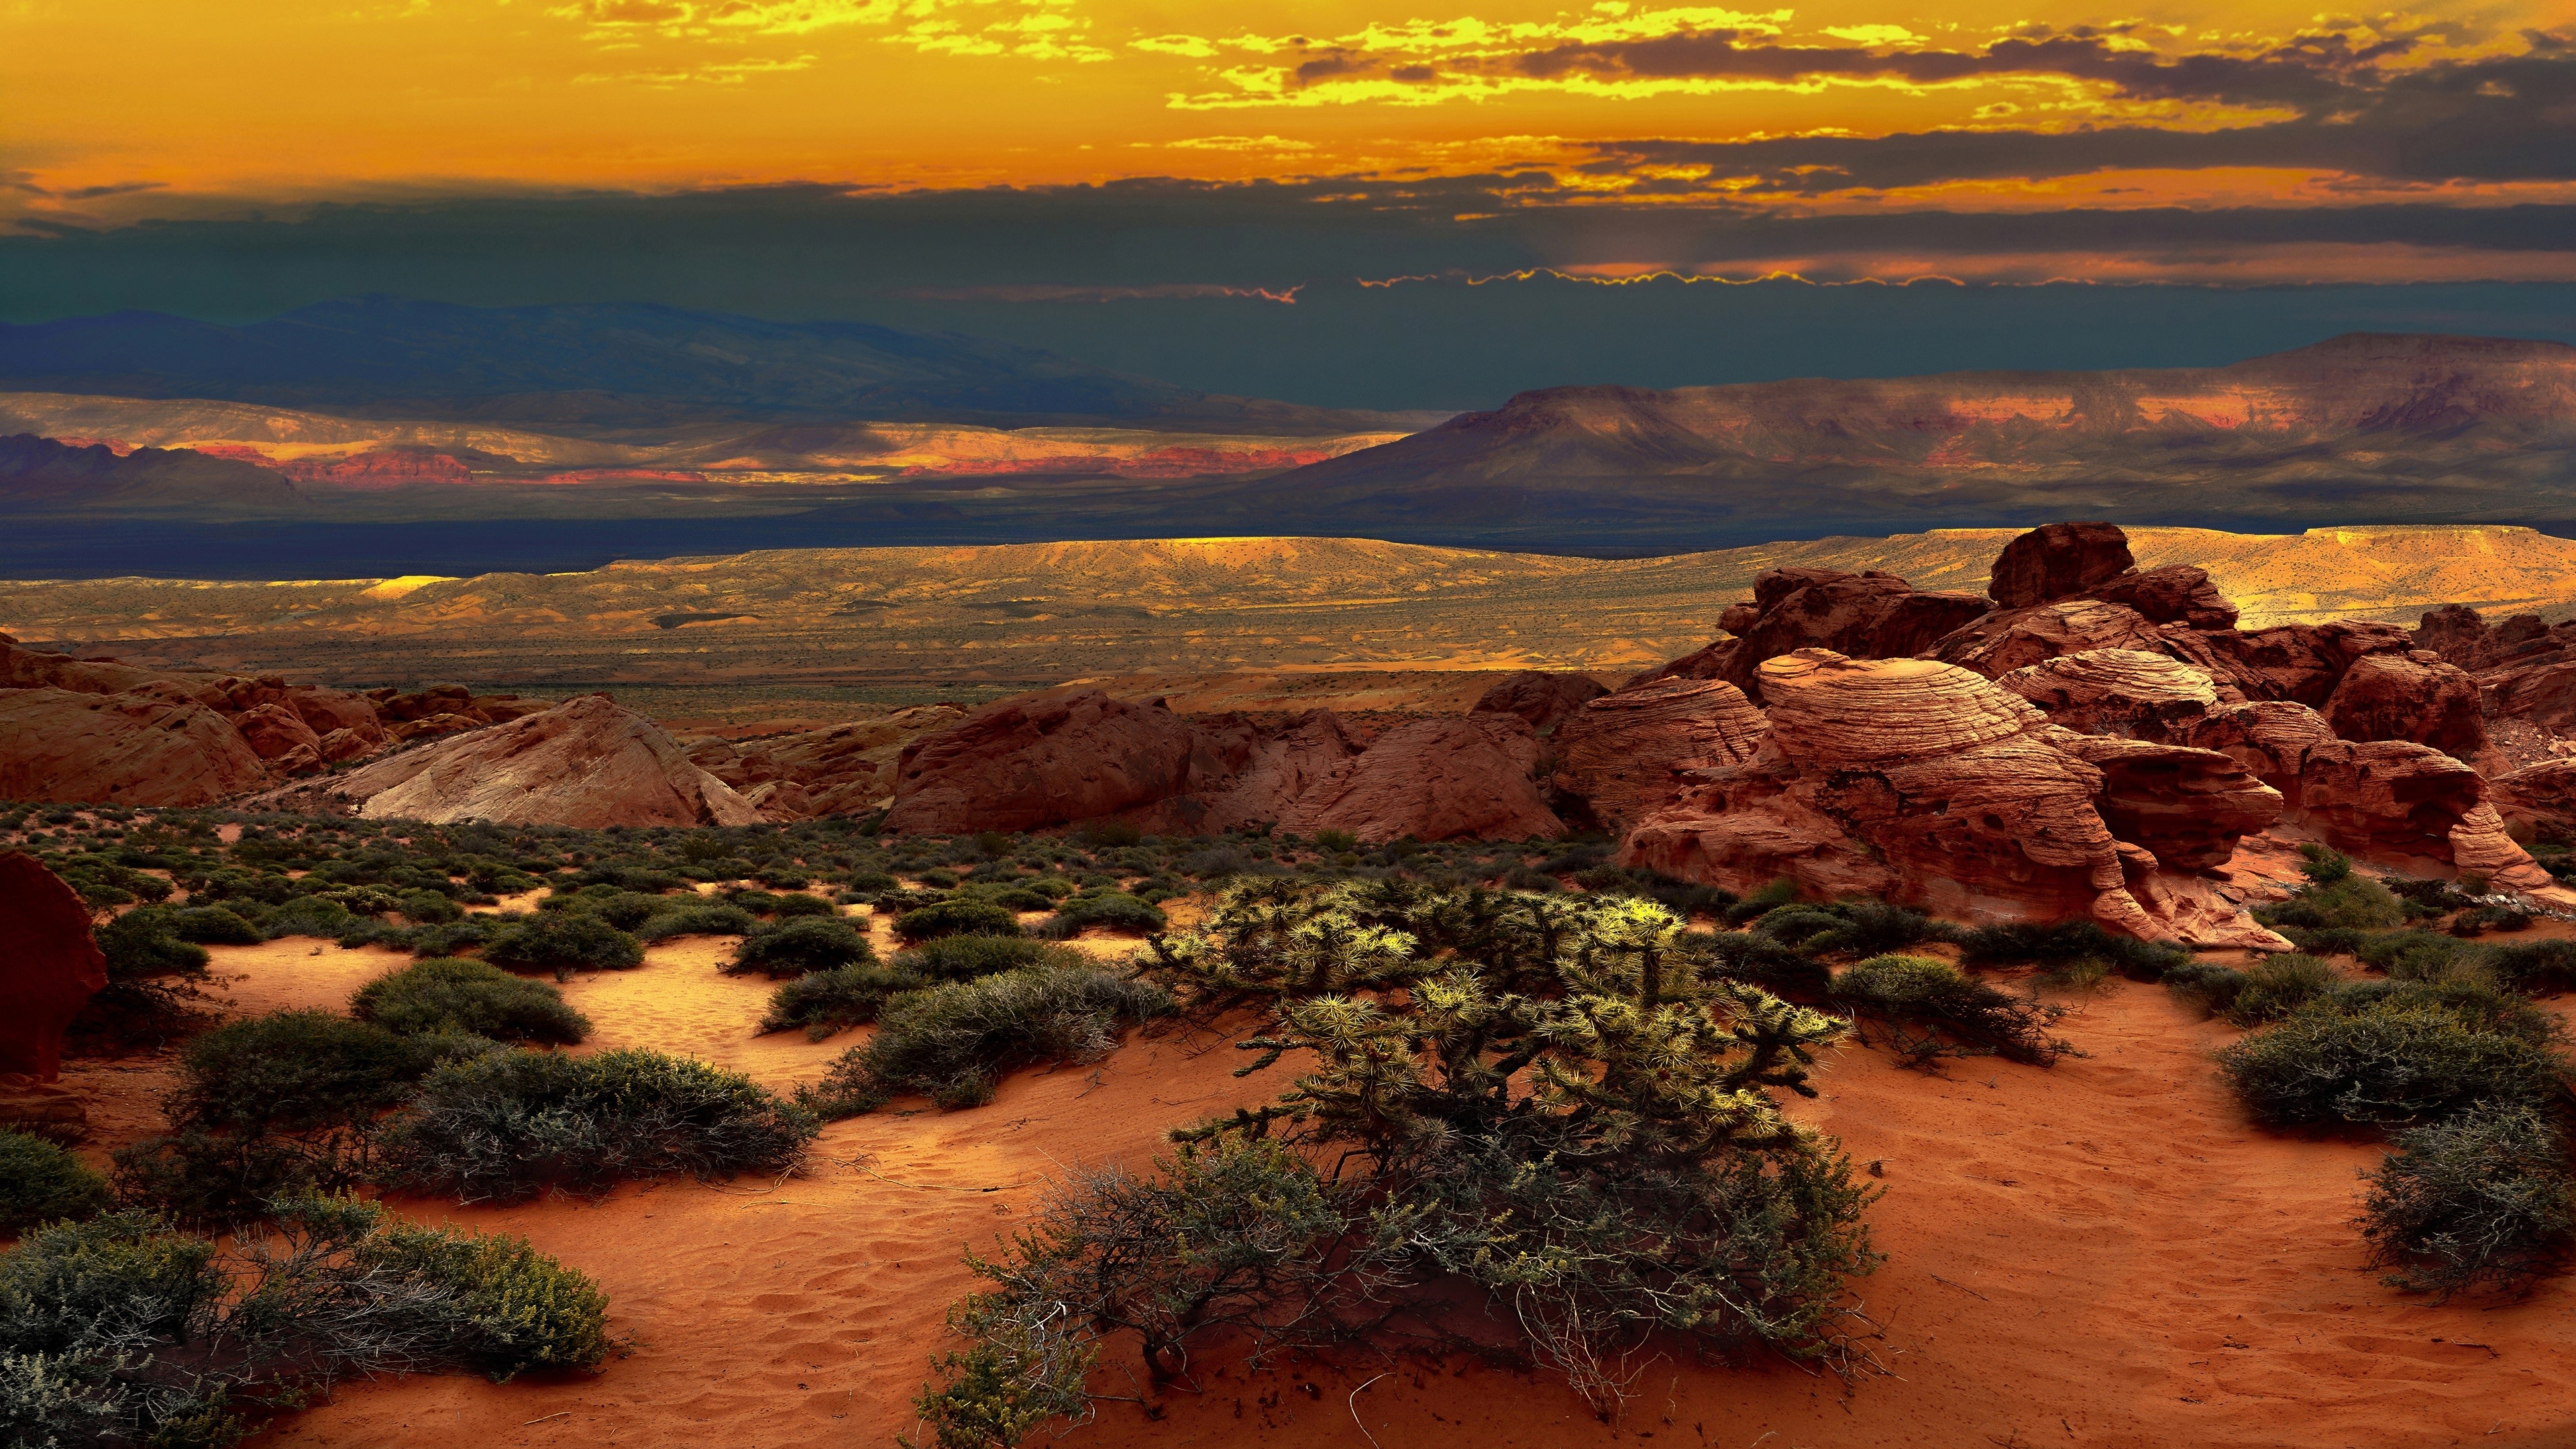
2105 1253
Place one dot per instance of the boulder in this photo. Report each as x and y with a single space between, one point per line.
2056 562
24 668
2541 798
2131 693
56 1114
325 711
2411 807
1025 764
341 746
1623 753
274 730
1538 696
2185 807
2007 640
2170 594
2304 662
1435 779
1870 615
431 702
49 969
122 749
1928 784
2458 634
2271 738
586 763
2413 697
437 724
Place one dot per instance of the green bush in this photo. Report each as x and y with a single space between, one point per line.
2538 967
2393 1059
798 945
953 1041
2484 1198
42 1183
119 1331
146 942
2207 985
963 958
963 917
2065 944
511 1125
426 907
308 916
563 943
1959 1017
1115 910
626 910
295 1071
2336 898
447 997
2277 986
1768 897
790 906
701 918
824 1002
213 926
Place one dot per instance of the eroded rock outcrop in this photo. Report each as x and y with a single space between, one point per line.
1870 615
1026 764
1245 772
1435 779
1624 753
845 769
1539 696
585 762
2057 561
2126 692
1926 783
123 749
49 966
2414 697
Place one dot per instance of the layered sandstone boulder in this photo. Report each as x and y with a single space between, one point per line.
585 762
1539 696
2414 697
1246 772
2540 797
2002 642
1925 783
1624 753
2170 594
2057 561
2304 663
1435 779
1870 615
49 966
1026 764
2126 692
122 749
845 769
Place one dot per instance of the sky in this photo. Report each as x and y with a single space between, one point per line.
1157 183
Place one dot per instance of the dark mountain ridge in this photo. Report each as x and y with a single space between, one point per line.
609 366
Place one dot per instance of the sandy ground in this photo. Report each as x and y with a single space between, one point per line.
2103 1253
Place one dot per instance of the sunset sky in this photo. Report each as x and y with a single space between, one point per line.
982 154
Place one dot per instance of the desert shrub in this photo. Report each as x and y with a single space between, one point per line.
121 1331
1793 925
213 926
426 907
2336 898
510 1125
2277 986
963 958
1953 1015
624 909
146 942
1761 961
794 947
563 943
1768 897
803 905
824 1002
308 916
2482 919
702 918
952 1042
869 882
2538 967
759 903
1115 910
2409 955
2065 943
295 1071
1870 927
446 997
2207 985
1018 898
42 1183
963 917
2483 1198
1564 1121
1683 896
2386 1058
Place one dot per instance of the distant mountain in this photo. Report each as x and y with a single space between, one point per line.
2365 426
43 477
610 365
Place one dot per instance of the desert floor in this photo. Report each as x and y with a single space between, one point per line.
2101 1253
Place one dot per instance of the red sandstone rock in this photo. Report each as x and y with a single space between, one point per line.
845 769
49 965
1540 697
272 730
1027 764
2125 692
22 668
436 724
2013 639
2456 632
1435 779
585 762
2186 807
1623 752
2413 697
1928 784
123 749
2269 737
56 1114
2304 662
2170 594
1246 772
1869 615
328 710
2542 797
2412 807
341 746
2056 561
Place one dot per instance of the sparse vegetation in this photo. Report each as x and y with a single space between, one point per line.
1930 1011
448 997
801 944
562 944
2480 1199
42 1183
953 1042
961 917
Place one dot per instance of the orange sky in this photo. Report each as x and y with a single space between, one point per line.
283 100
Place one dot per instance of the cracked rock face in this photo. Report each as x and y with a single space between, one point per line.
2130 693
1626 753
1931 785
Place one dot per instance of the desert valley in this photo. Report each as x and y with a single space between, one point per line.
807 723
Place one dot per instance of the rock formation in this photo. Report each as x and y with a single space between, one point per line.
1244 772
1868 615
1540 697
2414 697
123 749
2126 692
845 769
1435 779
1926 783
2058 561
49 966
1624 753
585 762
1026 764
